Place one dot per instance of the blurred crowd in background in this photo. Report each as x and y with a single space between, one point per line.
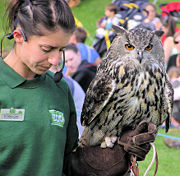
82 60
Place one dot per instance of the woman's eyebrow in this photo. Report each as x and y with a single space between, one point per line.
47 46
52 47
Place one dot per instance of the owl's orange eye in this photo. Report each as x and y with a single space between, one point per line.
149 47
129 47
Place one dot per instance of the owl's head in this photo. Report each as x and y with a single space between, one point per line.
139 44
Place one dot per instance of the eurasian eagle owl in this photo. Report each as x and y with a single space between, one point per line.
131 85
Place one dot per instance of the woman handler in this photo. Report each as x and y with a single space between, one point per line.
38 118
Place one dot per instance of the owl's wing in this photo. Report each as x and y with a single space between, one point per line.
97 97
168 106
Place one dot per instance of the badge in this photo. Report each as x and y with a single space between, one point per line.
57 118
12 114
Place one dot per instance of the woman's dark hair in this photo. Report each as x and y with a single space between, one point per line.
176 35
170 24
80 34
34 15
154 7
112 7
72 47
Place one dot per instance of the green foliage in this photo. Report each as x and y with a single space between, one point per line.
3 24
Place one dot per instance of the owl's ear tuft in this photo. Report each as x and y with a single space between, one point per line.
119 29
158 33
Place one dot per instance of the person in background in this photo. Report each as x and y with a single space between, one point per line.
168 25
174 76
169 28
105 24
174 60
173 73
175 120
80 70
77 93
73 3
110 12
152 16
87 53
78 96
38 116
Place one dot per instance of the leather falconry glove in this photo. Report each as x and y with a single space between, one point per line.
95 161
137 142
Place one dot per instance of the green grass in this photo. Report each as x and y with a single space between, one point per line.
88 12
169 158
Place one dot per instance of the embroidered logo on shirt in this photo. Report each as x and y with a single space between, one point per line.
57 118
12 114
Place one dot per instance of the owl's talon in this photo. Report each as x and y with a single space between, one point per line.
113 139
103 144
108 142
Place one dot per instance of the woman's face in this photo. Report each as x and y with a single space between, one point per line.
39 53
177 44
73 60
109 13
152 12
165 29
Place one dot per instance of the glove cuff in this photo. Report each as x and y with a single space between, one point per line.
100 161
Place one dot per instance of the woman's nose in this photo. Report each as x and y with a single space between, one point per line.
54 59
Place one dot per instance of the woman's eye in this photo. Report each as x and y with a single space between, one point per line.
149 47
129 47
46 50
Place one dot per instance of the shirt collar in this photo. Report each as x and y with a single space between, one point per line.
13 79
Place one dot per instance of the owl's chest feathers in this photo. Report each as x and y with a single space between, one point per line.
139 80
138 94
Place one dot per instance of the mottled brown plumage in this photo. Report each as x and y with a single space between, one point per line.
131 85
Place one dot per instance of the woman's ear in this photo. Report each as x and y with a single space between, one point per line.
19 35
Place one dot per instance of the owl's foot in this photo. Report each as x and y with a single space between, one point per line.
109 142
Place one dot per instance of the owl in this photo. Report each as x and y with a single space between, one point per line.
131 85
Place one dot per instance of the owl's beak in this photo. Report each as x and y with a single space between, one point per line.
140 56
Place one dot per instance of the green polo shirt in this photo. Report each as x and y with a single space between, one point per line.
37 124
